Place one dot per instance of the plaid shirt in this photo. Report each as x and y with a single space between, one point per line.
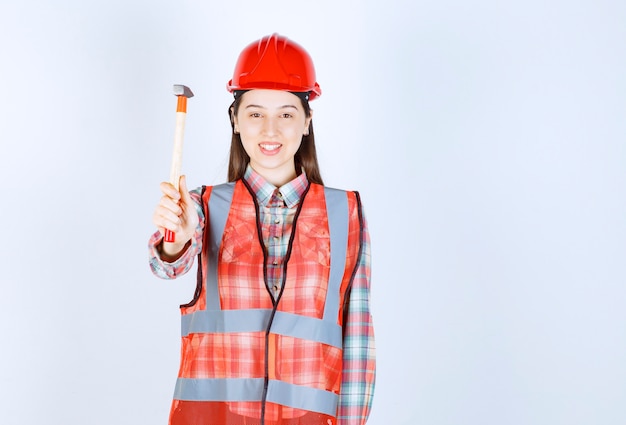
277 207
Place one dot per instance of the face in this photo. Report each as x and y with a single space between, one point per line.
271 124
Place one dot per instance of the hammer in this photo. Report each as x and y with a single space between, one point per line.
182 93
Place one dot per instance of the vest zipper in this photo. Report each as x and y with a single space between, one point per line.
267 287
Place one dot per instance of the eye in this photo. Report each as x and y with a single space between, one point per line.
286 115
255 115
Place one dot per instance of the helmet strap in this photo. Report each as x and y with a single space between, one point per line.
302 95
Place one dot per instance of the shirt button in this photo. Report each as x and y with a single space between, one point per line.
277 221
275 263
275 288
276 237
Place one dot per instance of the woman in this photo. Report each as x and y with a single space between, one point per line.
279 330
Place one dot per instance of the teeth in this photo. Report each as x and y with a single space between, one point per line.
269 147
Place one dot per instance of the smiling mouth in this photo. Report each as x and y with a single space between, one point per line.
270 146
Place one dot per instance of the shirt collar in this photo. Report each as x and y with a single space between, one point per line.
291 192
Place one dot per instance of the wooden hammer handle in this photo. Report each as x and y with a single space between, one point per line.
177 154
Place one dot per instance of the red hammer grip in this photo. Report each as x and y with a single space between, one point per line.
169 236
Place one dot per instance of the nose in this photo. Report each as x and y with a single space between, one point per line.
270 126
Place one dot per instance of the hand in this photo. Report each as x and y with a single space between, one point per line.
175 212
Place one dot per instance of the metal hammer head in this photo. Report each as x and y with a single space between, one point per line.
180 90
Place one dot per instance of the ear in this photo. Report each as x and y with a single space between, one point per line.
235 122
307 122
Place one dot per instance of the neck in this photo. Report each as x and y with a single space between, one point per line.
278 177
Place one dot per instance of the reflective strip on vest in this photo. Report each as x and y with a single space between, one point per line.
251 389
337 210
216 320
219 206
286 324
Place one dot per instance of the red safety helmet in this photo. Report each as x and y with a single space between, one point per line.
275 62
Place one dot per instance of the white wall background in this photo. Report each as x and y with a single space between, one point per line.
488 140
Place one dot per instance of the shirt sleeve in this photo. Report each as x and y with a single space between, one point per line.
359 363
166 270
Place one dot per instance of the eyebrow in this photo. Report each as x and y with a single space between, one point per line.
263 107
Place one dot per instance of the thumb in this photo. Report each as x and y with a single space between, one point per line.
184 192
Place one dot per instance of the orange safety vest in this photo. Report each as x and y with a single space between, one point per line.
248 358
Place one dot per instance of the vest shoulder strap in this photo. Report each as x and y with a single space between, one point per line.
223 197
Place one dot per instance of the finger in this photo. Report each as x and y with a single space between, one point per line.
168 226
164 217
168 189
163 225
170 204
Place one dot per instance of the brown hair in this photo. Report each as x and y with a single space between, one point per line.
305 158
